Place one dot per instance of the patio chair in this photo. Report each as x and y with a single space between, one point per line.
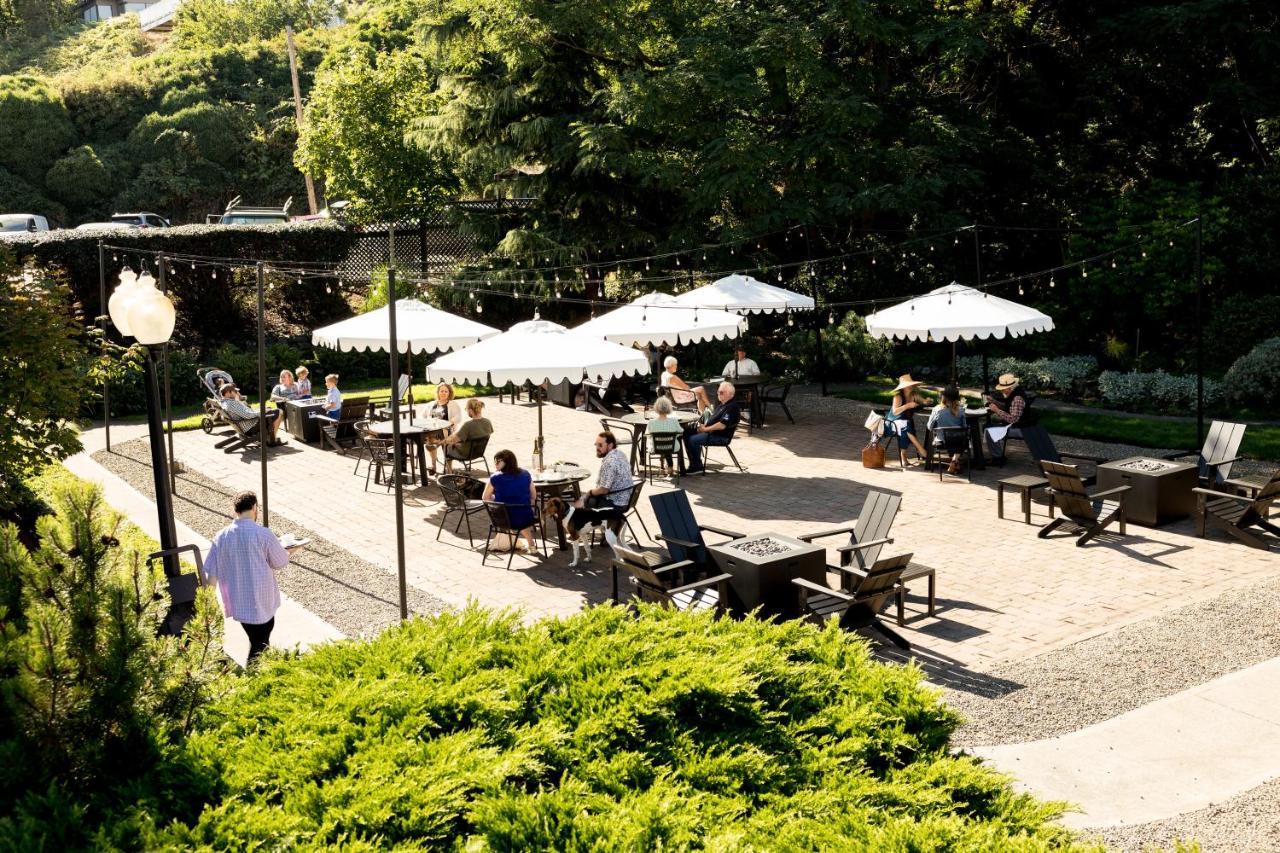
1237 515
681 531
775 394
1042 449
1220 451
633 511
477 454
500 522
381 410
660 580
660 445
868 534
456 489
1091 513
858 607
340 433
706 456
628 436
955 442
243 435
380 453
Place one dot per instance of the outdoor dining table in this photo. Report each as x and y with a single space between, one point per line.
750 384
550 484
640 424
417 434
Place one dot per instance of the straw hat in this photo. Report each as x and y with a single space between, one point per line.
905 381
1007 382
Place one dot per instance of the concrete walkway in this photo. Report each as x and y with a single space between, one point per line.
1177 755
296 627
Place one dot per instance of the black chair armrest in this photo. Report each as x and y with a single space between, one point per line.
819 534
1118 490
678 566
721 531
331 420
858 546
684 543
1096 460
1169 457
702 584
1212 494
823 590
1212 462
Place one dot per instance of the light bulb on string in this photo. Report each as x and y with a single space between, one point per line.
215 273
677 260
116 257
1144 253
193 265
779 275
479 307
831 319
1020 290
873 260
1052 283
957 241
1113 263
1084 273
844 266
791 321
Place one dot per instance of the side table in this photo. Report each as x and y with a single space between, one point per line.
1025 484
915 571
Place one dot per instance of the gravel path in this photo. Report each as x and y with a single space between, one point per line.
351 594
1105 676
1248 823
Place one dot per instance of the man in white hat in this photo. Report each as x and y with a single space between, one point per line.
1010 410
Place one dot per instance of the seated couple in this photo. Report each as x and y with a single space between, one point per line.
464 443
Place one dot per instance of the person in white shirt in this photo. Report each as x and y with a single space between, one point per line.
740 366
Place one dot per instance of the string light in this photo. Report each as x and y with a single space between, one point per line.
831 319
1084 273
1052 283
1113 263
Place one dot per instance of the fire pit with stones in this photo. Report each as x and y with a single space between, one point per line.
763 567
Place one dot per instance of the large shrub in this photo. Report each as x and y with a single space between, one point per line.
1253 382
851 354
34 127
1068 375
1154 392
601 731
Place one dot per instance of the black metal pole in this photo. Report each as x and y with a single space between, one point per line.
262 391
1199 335
103 319
397 463
168 393
977 273
159 467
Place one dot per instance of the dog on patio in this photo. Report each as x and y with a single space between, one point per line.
560 510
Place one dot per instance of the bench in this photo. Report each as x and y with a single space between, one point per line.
915 571
1025 484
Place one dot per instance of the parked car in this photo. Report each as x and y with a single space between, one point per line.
238 213
22 223
105 226
141 220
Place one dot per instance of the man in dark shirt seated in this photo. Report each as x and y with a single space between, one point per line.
717 431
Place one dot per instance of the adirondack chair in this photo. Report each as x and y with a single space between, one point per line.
680 530
243 435
860 605
660 580
1093 513
340 433
868 535
382 411
1220 451
1237 514
1042 449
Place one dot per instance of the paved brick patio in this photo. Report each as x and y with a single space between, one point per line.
1003 594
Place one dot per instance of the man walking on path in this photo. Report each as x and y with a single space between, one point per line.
243 560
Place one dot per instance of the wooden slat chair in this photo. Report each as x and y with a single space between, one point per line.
1220 451
1092 513
680 530
340 433
1238 514
243 435
868 534
660 580
380 410
860 605
1042 449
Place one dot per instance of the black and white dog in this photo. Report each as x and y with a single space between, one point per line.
577 522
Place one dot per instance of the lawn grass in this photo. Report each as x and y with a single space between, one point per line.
1261 441
189 417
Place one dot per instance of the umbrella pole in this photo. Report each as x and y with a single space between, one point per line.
409 368
986 375
537 445
397 450
953 363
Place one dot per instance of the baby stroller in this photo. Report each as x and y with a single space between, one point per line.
213 379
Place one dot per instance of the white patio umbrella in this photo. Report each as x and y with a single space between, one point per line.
537 351
420 328
957 312
657 318
746 295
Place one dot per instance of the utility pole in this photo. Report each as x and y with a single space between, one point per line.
297 108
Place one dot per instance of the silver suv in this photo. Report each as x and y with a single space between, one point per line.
140 220
238 213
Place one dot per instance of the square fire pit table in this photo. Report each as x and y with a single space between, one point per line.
763 566
1160 491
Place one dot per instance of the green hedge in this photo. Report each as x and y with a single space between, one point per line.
211 310
601 731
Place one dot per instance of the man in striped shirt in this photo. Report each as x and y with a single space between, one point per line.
237 410
243 560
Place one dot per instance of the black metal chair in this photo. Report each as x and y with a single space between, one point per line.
627 435
662 445
478 448
455 488
775 394
380 453
500 522
952 441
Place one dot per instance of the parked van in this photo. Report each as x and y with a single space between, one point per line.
22 223
238 213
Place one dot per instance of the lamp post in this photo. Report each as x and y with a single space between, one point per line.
141 311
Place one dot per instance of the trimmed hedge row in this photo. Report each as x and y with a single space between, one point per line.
215 304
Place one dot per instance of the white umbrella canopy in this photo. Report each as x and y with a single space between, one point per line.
419 328
957 313
657 318
746 295
537 351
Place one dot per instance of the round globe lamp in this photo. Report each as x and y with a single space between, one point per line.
118 304
150 316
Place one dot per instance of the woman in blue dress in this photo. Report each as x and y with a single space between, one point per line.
513 486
